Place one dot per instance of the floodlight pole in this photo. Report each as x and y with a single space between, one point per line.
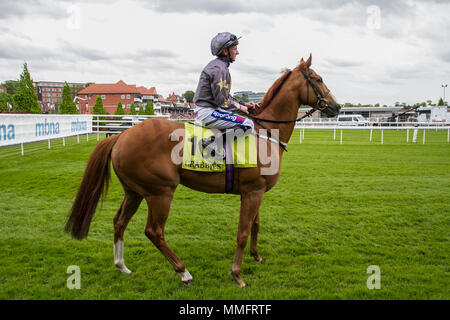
444 86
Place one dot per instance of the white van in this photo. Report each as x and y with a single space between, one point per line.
351 120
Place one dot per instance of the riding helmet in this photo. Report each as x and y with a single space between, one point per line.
222 41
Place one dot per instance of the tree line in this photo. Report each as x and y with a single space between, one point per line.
148 109
20 96
398 104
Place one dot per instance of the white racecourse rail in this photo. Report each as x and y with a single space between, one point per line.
407 126
19 129
25 128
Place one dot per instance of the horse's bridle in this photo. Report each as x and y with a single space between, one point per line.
321 105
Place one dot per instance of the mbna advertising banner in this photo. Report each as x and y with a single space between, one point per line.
25 128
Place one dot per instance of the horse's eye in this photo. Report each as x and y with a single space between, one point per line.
319 80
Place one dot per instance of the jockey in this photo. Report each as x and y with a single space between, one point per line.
214 106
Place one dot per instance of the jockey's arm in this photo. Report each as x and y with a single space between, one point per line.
252 105
239 104
241 107
221 87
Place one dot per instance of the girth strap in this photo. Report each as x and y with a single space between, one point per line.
229 168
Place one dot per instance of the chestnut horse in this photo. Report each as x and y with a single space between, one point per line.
141 158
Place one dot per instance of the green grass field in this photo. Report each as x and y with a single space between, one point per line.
336 210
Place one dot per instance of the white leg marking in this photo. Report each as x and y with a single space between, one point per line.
186 277
118 257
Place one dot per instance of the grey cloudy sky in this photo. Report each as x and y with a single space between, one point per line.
366 51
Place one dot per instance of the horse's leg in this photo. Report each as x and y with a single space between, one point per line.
128 208
158 211
250 203
254 240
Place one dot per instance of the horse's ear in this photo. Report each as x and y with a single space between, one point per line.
309 61
301 64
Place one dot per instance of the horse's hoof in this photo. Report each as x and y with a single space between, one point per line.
123 269
126 271
188 282
260 260
186 277
238 280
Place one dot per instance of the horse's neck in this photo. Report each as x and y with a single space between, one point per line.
284 107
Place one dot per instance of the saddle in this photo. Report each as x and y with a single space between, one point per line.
205 150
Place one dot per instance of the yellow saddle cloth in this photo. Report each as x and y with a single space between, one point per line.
243 151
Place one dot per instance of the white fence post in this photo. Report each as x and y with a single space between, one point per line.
341 136
371 129
382 137
448 136
423 142
48 144
416 131
21 148
407 135
334 134
64 142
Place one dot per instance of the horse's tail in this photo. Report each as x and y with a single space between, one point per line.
94 184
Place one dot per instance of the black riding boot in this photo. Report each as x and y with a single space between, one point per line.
212 144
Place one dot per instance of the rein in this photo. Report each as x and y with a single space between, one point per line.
283 145
320 105
308 114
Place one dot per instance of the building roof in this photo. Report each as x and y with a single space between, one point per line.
43 82
119 87
145 91
162 99
173 98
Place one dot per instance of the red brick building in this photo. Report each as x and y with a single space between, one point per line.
111 94
49 93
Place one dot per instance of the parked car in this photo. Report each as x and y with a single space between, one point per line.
352 120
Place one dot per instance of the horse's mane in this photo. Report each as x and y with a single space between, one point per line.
268 97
